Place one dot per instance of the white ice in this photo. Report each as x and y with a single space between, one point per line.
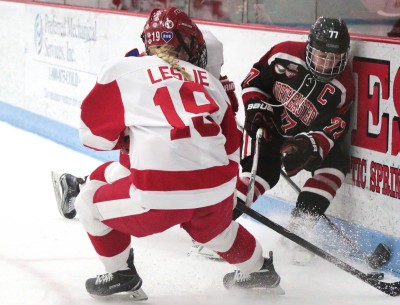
45 259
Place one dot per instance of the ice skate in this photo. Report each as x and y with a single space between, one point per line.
265 280
118 284
66 189
199 250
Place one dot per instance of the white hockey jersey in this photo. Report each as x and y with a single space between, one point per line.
184 142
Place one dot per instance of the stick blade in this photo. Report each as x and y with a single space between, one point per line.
380 256
392 289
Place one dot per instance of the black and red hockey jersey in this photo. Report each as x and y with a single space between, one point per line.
302 103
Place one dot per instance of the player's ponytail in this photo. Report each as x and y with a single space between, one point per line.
169 55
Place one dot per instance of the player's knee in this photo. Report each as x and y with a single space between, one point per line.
88 213
223 241
115 171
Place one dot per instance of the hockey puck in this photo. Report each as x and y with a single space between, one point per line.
376 275
380 256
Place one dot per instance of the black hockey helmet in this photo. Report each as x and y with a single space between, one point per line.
328 42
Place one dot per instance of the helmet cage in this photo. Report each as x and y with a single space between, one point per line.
320 63
329 38
197 55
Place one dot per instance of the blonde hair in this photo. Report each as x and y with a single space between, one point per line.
170 56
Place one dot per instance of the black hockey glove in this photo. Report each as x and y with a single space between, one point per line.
300 152
258 115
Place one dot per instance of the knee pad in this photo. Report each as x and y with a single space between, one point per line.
115 171
87 211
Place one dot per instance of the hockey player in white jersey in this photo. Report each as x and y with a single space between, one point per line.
67 186
183 151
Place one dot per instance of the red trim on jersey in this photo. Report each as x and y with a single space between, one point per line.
158 180
104 98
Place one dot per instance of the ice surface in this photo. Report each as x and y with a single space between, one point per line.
45 259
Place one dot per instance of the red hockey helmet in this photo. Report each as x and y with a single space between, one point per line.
174 27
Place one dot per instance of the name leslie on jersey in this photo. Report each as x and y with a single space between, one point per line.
162 73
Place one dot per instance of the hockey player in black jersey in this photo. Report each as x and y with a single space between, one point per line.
300 94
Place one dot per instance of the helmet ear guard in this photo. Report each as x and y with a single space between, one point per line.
174 27
328 41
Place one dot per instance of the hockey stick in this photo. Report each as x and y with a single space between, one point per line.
250 187
392 289
376 260
330 223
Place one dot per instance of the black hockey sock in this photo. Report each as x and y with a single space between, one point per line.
311 203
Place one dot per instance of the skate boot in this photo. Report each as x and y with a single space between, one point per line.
265 279
66 189
199 250
126 282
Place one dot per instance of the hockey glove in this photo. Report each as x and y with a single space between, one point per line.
300 152
229 87
258 115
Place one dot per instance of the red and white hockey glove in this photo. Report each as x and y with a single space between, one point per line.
229 87
300 152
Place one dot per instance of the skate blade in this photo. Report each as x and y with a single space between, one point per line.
55 178
208 256
278 290
137 295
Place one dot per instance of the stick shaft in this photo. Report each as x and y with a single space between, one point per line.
328 220
253 173
392 289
